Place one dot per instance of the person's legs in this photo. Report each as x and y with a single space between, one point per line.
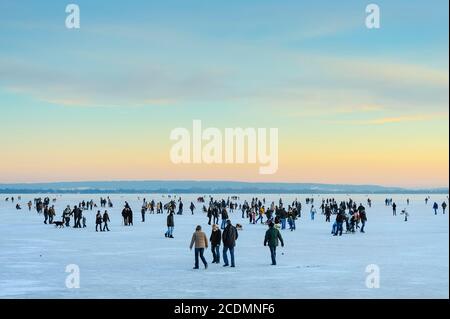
225 257
196 257
363 223
273 254
213 250
232 256
217 254
202 257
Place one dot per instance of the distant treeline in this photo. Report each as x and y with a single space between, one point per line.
217 191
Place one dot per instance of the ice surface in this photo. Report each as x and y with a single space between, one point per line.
139 262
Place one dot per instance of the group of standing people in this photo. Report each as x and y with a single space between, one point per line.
228 238
99 219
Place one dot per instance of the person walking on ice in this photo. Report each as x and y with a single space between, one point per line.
98 221
405 212
105 220
201 242
435 207
313 212
215 238
170 225
444 206
229 237
271 238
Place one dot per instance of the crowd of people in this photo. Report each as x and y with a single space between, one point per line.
275 215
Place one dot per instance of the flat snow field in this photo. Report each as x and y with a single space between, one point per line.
139 262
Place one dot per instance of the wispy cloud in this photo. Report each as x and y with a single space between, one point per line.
394 119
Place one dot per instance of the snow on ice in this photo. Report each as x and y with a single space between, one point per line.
139 262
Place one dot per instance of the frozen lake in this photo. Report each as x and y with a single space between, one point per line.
139 262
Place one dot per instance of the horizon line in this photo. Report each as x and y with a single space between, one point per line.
224 181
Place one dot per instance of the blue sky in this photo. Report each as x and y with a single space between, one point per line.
136 69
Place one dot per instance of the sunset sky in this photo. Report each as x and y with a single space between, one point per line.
352 105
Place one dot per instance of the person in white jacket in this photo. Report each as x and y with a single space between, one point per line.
313 212
405 212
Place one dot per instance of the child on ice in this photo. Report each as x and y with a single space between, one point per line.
405 212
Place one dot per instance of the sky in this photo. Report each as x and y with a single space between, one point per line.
352 105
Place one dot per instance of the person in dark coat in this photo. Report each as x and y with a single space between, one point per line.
327 213
224 218
75 216
180 208
130 216
45 214
143 209
339 222
98 221
215 239
215 215
170 225
394 209
209 214
444 206
105 220
271 238
192 207
80 216
229 237
125 216
363 217
435 207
